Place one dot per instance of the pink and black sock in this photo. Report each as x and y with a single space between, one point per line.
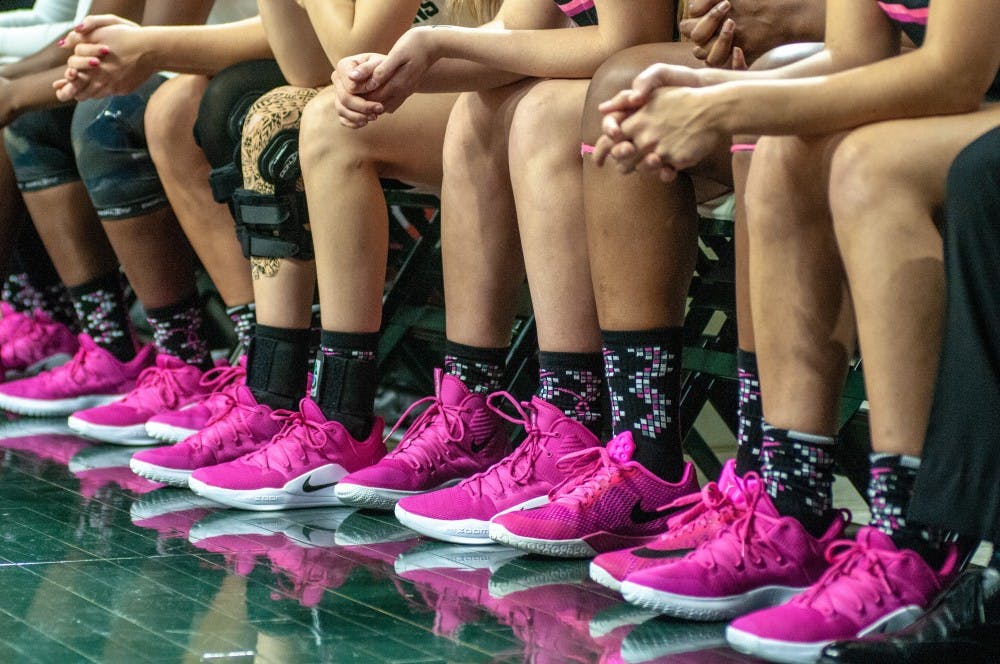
574 383
178 330
345 379
797 469
480 369
643 369
749 431
244 316
890 489
100 308
34 284
277 366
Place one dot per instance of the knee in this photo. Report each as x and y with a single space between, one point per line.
862 170
471 135
776 163
786 54
169 113
615 75
322 137
270 137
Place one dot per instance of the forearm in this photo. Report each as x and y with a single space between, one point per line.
910 85
203 49
28 93
463 75
343 30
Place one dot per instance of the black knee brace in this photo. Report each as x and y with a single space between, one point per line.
225 104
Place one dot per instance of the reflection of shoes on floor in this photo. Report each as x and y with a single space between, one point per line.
618 616
550 605
171 512
49 439
312 570
453 580
666 636
100 466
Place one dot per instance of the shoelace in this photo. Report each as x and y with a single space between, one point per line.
228 426
589 473
156 388
847 585
221 377
520 464
22 344
292 443
75 369
736 542
425 456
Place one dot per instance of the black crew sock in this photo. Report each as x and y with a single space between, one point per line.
345 379
277 366
480 369
574 383
643 373
890 488
749 431
797 469
244 316
100 308
995 558
178 330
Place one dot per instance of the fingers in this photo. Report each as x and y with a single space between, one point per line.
354 111
722 50
602 149
739 59
698 8
83 63
620 103
91 23
709 25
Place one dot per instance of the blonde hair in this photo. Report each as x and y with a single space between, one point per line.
473 12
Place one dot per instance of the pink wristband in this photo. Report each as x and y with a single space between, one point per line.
586 149
742 147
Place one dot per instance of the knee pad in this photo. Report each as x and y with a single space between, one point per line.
39 148
278 163
273 225
109 140
221 113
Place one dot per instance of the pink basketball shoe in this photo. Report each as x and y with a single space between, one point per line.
169 384
243 428
457 436
35 344
217 386
871 587
299 467
761 559
609 502
717 505
93 377
522 480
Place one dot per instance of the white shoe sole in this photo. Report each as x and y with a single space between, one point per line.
459 531
290 496
573 548
172 476
706 608
167 433
134 435
54 407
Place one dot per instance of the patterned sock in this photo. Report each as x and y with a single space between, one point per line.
100 308
890 489
345 379
573 383
25 296
480 369
19 293
243 316
643 373
178 330
798 472
749 430
277 364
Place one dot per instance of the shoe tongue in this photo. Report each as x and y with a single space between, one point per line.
87 342
873 538
245 397
545 414
621 447
311 411
451 390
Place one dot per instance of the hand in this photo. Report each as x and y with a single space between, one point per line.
399 74
108 59
627 102
352 80
713 33
670 133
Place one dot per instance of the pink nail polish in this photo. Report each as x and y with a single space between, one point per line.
105 50
61 42
94 62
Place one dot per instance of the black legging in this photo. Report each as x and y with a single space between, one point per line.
958 487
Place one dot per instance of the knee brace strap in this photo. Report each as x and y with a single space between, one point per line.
225 180
272 225
278 162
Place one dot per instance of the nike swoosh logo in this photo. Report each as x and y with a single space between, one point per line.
309 488
646 552
639 515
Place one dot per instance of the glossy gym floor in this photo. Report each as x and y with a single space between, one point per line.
97 564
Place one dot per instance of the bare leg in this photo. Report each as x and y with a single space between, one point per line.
887 185
12 211
183 171
347 211
71 232
545 168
